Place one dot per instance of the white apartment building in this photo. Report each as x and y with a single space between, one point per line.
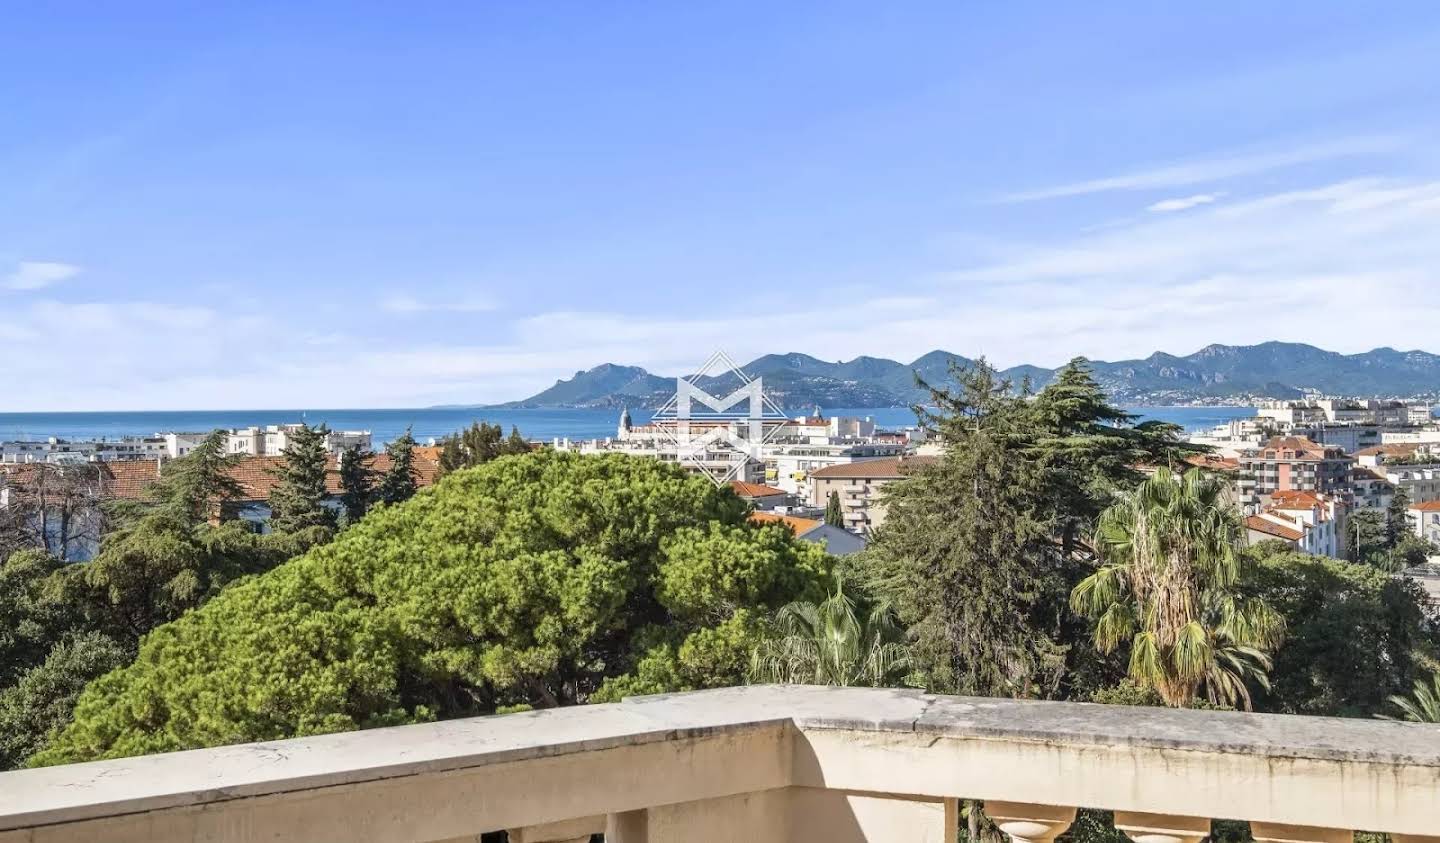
789 466
273 439
1425 520
57 450
1233 437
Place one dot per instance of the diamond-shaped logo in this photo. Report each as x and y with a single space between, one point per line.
718 439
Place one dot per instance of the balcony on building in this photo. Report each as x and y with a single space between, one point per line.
761 764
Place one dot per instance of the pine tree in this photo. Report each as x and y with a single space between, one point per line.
357 483
1397 519
967 555
297 501
478 444
398 482
1092 448
196 487
834 516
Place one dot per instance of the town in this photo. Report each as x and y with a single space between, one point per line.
1299 469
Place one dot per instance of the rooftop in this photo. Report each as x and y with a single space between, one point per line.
755 490
881 468
1261 524
800 526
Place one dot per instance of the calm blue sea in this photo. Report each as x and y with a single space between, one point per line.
427 423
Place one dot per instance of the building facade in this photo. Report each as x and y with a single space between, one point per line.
1292 463
859 485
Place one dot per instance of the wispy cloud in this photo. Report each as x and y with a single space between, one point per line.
37 275
1184 203
404 303
1201 171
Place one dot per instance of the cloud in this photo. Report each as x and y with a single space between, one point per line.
37 275
1200 171
1346 265
1184 203
404 303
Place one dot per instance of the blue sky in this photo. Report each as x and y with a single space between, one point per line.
350 204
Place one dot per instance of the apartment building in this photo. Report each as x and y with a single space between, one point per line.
1425 520
56 450
272 440
1292 463
859 485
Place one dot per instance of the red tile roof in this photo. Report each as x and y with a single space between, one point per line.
800 526
129 479
1214 462
1290 498
1388 450
883 468
755 490
1307 449
1270 528
1426 506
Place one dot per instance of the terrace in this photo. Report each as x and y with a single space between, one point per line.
761 764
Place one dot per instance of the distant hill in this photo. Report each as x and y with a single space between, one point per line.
1214 373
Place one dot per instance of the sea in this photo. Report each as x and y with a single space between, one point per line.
433 423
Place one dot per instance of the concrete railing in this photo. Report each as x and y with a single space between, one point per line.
761 765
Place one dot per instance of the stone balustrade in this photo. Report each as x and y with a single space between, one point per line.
761 765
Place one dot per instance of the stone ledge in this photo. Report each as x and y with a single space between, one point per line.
197 777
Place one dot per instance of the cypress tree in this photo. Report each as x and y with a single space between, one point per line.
834 516
1397 519
398 482
297 501
516 444
357 483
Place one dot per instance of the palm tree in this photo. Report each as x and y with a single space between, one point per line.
1423 704
1171 562
835 642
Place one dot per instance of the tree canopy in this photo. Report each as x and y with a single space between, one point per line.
297 501
397 484
478 444
967 553
535 580
1354 634
1169 592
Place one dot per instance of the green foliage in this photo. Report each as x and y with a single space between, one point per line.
34 612
1128 692
41 701
297 501
1386 540
1353 633
967 554
1168 590
160 567
1423 703
397 484
198 486
1091 449
531 580
834 515
1365 538
357 484
1397 519
478 444
844 640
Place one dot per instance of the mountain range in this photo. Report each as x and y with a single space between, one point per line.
1214 374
